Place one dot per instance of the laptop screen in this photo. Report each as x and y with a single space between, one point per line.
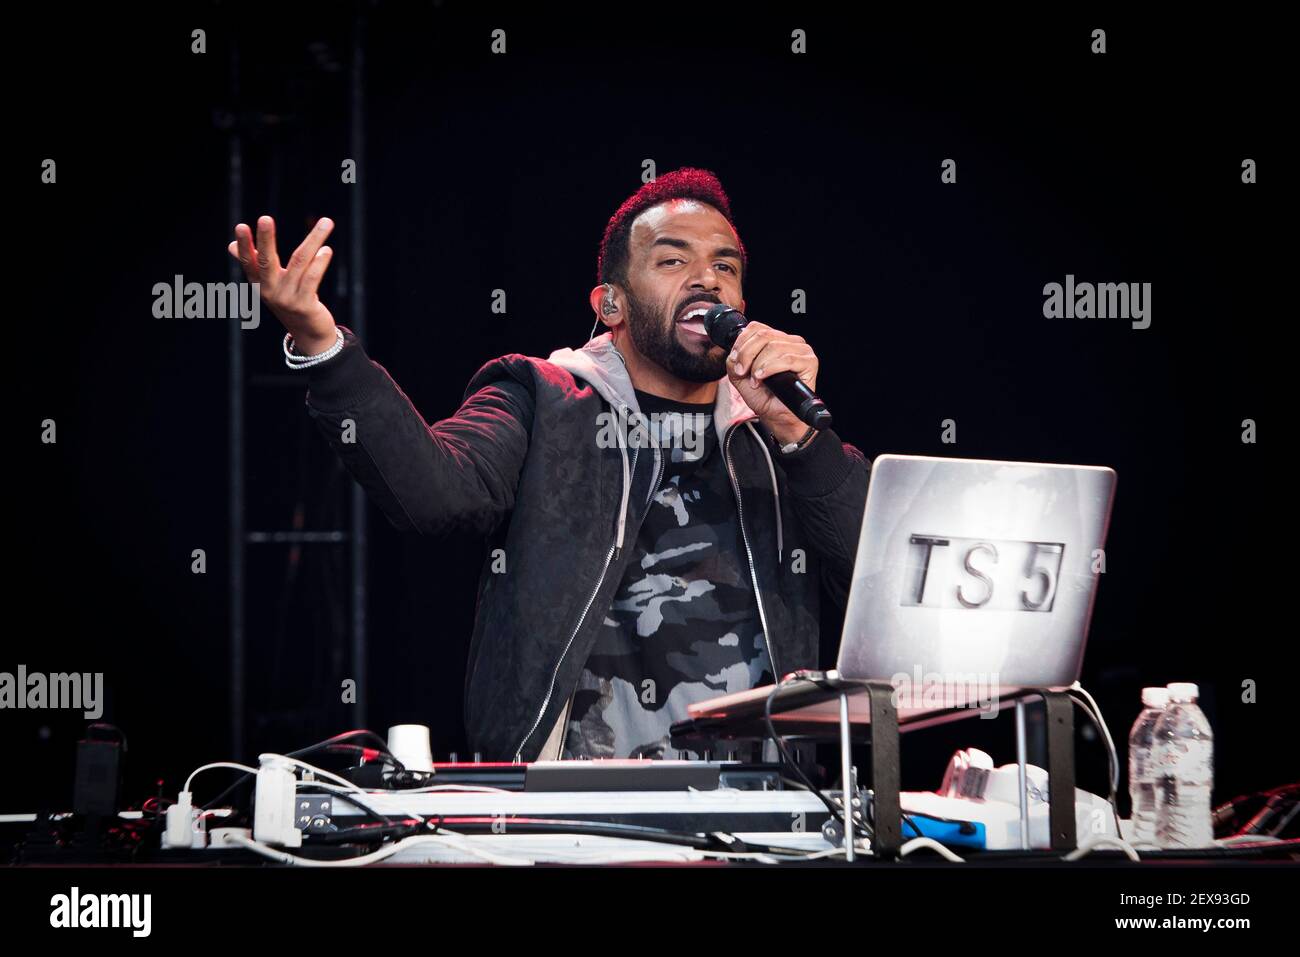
976 567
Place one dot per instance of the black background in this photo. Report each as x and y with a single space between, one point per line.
484 172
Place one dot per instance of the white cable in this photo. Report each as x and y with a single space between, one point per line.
455 839
445 839
217 764
344 794
343 782
1102 840
470 788
458 841
781 855
1248 839
1110 742
283 857
919 842
863 847
1112 753
760 856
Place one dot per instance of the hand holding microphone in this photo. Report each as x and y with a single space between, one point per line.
774 372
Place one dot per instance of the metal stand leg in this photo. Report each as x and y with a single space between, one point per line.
846 776
1060 769
886 780
1022 778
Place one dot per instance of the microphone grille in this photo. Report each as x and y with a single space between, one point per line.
723 324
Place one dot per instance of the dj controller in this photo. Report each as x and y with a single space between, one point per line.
548 811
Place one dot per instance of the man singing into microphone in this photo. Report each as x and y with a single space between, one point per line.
679 561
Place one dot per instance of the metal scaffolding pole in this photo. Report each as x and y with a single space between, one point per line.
357 319
235 433
240 537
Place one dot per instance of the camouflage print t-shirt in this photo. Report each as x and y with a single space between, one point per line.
683 626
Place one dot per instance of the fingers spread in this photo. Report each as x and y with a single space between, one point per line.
311 277
242 249
302 256
268 259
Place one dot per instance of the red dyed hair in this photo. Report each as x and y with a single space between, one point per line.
685 183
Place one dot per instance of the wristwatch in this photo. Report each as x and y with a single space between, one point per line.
796 446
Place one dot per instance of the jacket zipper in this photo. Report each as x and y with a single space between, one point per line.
749 554
654 487
654 478
550 691
609 556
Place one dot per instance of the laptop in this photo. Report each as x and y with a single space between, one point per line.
976 567
974 582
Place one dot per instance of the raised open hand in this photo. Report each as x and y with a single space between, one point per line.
290 291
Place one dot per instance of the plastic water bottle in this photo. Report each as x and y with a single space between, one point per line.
1183 764
1141 779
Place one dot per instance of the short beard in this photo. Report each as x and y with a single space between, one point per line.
659 344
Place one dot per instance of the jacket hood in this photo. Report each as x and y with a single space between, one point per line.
600 364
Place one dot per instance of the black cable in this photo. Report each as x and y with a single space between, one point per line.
1275 816
1244 810
382 747
364 833
355 802
711 841
541 825
780 745
844 818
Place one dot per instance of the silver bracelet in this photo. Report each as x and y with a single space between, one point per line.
295 361
789 447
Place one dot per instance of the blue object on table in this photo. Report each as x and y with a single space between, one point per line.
954 833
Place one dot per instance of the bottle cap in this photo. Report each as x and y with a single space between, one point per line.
1155 697
1183 691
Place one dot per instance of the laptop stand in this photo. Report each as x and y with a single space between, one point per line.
884 738
816 707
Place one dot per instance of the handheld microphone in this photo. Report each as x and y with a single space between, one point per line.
723 325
